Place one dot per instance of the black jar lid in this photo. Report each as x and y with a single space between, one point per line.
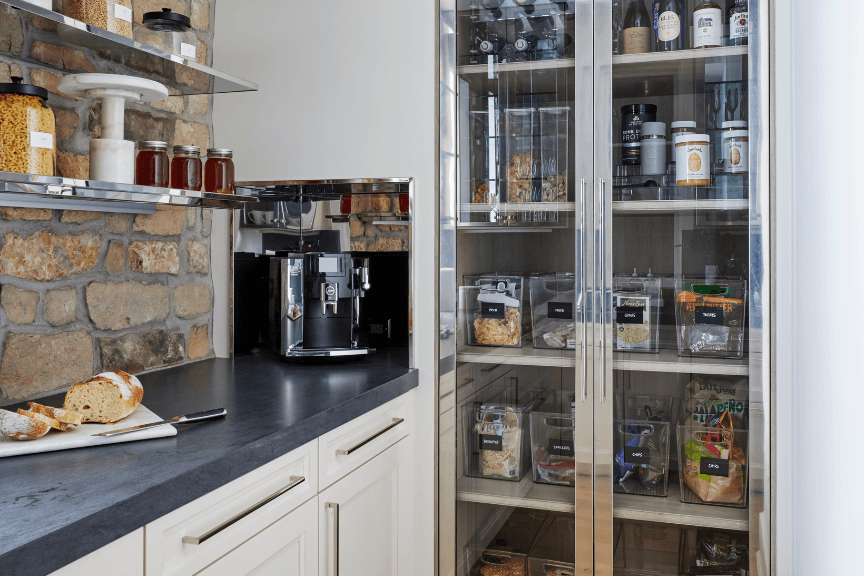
18 87
639 109
166 16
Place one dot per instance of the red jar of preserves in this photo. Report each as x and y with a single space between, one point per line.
186 168
404 203
151 165
219 171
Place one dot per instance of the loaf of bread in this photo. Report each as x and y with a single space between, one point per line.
66 418
21 427
107 398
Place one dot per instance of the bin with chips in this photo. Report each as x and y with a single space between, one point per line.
641 457
713 462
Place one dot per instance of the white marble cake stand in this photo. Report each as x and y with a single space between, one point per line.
112 159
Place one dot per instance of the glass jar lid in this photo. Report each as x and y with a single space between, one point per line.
153 145
187 150
692 138
220 152
167 17
734 124
18 87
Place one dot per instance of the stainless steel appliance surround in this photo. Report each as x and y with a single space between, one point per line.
607 223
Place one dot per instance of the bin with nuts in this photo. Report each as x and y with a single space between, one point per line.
112 15
27 130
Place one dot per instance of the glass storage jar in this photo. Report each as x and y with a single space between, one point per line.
693 160
219 171
170 32
736 152
151 165
27 130
186 168
112 15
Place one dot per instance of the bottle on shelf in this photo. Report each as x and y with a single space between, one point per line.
707 25
669 25
739 20
637 29
492 45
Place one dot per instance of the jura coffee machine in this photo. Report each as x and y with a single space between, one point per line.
315 304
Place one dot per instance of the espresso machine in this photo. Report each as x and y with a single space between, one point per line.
315 304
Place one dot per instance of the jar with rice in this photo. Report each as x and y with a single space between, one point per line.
27 130
111 15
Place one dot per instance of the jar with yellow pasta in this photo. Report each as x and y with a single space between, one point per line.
27 131
112 15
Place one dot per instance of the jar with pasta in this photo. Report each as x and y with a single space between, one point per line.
111 15
27 130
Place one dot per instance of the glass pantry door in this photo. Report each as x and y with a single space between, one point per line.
516 413
681 398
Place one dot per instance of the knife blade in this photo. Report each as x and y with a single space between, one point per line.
188 419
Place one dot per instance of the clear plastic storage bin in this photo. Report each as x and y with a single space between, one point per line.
492 310
647 548
641 461
111 15
636 304
713 465
629 407
554 310
720 551
538 567
509 563
552 448
554 141
523 155
710 318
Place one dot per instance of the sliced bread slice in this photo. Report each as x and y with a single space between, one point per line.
52 422
20 427
66 418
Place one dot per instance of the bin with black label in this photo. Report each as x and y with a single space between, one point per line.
641 457
552 448
555 309
713 464
636 307
491 306
710 317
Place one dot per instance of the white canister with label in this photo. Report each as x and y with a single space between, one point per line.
707 26
736 152
693 160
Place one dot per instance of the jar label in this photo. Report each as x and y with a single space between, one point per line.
187 51
637 40
707 28
668 26
736 157
692 162
41 140
738 25
122 13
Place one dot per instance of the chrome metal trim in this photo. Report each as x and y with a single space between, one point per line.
604 264
396 422
583 292
195 540
335 507
297 352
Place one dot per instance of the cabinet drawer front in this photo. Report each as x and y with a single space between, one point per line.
123 556
227 517
287 548
346 448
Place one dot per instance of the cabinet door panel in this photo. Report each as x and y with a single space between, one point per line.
287 548
123 556
365 518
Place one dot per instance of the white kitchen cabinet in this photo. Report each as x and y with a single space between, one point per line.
288 547
124 556
365 519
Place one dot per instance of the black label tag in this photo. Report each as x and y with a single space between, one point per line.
714 467
637 455
629 315
492 443
494 311
560 310
709 315
559 447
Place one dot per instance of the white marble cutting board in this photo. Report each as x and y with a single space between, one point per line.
82 436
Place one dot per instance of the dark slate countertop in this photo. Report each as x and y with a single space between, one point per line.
58 507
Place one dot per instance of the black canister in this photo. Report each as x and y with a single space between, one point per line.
632 117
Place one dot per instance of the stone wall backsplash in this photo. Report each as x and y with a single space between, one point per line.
85 292
370 237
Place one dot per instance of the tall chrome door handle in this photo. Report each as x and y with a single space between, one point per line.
603 289
335 507
583 296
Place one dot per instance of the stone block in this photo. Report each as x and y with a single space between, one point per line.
191 217
61 56
9 70
359 245
192 134
138 352
380 203
61 306
118 223
357 228
35 363
47 80
115 259
20 305
140 126
11 30
386 245
166 221
198 257
120 305
191 300
72 165
173 104
201 52
25 214
199 105
154 257
45 256
79 216
360 203
201 15
66 123
192 78
206 221
199 342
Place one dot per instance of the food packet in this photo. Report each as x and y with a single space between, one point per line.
504 463
708 396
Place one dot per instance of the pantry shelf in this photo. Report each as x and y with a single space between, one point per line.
525 493
500 68
37 188
186 76
520 207
672 206
653 62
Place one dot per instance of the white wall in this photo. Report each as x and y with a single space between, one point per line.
820 203
346 89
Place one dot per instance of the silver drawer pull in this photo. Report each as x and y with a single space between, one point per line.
396 422
295 481
335 507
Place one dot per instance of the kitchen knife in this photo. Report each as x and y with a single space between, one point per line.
188 419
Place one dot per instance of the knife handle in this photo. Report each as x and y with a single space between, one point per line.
198 416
